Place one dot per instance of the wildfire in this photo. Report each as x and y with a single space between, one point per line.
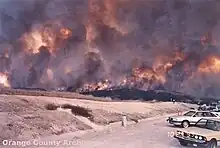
103 85
44 36
212 64
97 86
33 41
149 74
102 68
39 36
167 65
161 65
49 38
4 80
110 14
91 34
179 56
102 12
66 33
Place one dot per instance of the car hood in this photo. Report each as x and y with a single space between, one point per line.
179 117
198 131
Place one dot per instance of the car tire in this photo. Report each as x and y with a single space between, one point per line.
185 124
212 144
183 143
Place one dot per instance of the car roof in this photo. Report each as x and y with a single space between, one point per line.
214 119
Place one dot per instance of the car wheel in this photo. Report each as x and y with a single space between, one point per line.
183 143
212 144
185 124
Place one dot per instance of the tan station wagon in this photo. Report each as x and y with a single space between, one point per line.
205 133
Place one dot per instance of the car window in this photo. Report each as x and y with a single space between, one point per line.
189 113
210 124
208 114
217 126
199 114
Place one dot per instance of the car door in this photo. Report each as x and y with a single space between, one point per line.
196 117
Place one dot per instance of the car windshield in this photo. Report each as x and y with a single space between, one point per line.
209 124
189 113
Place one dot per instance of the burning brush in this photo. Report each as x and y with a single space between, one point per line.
4 80
64 45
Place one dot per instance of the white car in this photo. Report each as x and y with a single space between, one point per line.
190 118
205 133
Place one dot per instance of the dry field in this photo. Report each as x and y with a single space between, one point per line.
25 116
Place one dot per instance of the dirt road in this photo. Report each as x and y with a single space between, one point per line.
152 133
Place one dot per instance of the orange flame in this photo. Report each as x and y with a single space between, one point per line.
66 33
97 86
44 36
103 85
148 74
102 12
212 64
142 75
4 80
33 41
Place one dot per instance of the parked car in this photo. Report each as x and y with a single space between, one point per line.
190 118
205 133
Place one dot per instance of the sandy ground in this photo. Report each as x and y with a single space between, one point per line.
25 117
153 133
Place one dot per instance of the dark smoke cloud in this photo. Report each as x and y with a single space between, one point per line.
154 28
